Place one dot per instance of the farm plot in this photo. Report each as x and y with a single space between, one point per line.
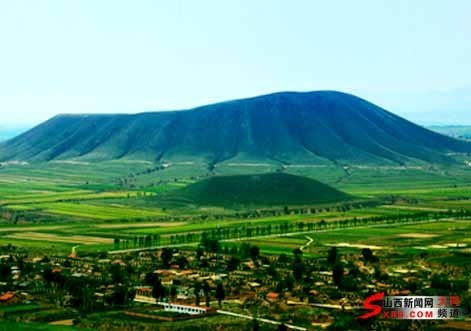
77 239
438 235
139 225
32 228
64 196
100 212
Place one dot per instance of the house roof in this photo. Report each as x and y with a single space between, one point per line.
7 296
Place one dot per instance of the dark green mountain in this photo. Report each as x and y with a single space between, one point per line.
314 127
273 189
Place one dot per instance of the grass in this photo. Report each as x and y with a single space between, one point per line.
388 238
101 212
273 189
18 308
39 247
14 326
91 191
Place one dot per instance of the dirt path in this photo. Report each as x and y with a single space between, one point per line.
306 245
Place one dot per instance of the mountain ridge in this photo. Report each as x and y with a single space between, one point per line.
319 127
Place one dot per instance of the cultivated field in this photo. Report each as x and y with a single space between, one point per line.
63 204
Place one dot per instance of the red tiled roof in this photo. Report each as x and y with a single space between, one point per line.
7 296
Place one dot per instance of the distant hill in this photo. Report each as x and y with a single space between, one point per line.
10 132
273 189
455 131
323 127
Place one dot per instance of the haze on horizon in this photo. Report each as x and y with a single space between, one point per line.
413 59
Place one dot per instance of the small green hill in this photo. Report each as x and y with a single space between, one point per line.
258 190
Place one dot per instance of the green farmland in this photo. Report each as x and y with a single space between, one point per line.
80 210
72 201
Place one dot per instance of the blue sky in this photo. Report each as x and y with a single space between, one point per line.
411 57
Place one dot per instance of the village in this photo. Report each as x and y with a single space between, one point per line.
173 285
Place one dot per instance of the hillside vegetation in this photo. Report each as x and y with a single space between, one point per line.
323 127
258 190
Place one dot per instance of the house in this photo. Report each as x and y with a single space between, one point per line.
120 262
184 309
144 295
165 272
7 297
253 284
271 296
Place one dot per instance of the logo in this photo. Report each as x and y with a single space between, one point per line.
412 307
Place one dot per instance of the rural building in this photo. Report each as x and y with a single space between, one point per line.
184 309
7 296
144 295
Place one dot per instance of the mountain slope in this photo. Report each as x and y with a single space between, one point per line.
313 127
258 190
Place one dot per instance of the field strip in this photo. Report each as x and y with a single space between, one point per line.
61 198
47 194
33 228
278 235
372 247
417 235
84 240
250 164
413 208
139 225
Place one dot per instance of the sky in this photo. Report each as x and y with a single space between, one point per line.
410 57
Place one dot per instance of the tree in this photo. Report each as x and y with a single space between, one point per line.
173 292
298 270
368 255
182 262
5 271
282 258
254 252
117 275
233 263
207 293
220 293
158 290
332 257
119 296
48 275
166 256
199 252
150 279
297 254
337 273
196 291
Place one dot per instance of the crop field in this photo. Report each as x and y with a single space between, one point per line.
432 237
114 211
65 203
84 240
84 210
